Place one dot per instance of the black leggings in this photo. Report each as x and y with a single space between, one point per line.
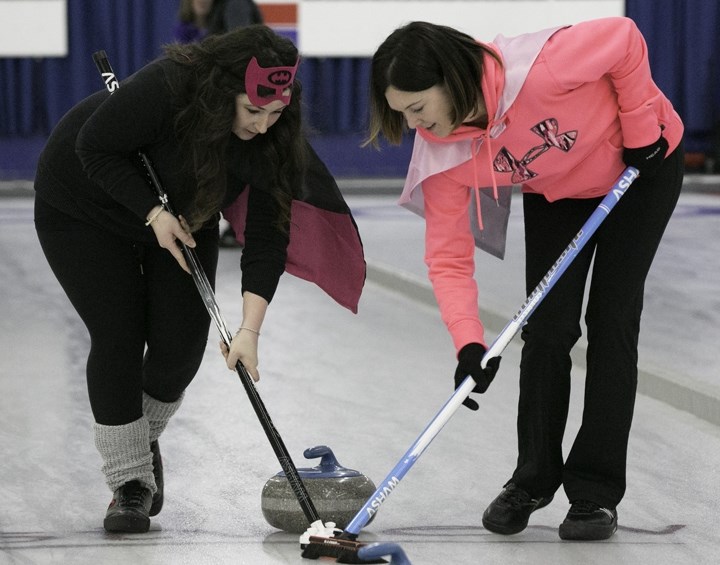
147 323
622 250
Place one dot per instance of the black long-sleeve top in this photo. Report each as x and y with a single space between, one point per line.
90 170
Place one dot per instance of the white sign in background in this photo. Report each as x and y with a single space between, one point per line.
355 28
329 28
33 28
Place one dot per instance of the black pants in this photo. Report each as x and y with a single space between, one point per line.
621 252
147 323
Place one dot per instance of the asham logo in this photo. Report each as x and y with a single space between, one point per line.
619 189
111 82
624 183
380 498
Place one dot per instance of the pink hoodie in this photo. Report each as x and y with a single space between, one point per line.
562 107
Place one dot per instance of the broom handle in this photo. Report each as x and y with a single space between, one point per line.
498 346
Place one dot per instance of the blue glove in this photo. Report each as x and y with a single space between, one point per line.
469 360
647 160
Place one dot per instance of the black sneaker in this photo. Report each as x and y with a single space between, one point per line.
588 521
157 499
510 511
129 509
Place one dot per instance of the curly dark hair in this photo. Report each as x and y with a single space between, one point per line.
206 113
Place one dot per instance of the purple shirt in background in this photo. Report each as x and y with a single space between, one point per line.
188 32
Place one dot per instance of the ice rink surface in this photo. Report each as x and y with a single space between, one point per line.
366 385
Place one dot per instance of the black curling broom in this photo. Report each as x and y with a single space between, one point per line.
208 296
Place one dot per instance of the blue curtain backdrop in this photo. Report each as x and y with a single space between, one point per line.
35 93
683 39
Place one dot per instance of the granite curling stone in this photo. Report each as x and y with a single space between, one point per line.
337 493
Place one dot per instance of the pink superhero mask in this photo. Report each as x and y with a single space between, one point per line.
276 79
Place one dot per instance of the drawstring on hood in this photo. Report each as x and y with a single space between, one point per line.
491 84
477 140
475 147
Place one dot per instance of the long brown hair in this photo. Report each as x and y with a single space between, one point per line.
206 114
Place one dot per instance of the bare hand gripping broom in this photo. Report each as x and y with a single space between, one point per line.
343 545
208 296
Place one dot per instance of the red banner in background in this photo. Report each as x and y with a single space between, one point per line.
282 17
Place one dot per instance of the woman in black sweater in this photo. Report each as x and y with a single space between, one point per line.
215 118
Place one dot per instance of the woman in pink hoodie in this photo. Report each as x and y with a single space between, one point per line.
560 112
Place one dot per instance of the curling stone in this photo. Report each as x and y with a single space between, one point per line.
337 493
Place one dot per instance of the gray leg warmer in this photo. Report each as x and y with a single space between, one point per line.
126 455
158 413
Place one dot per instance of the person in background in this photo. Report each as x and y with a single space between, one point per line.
220 121
560 112
192 20
230 14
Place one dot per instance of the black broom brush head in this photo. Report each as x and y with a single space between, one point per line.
342 550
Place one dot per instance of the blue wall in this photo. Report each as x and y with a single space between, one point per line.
34 93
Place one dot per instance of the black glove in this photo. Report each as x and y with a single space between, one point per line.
469 360
647 160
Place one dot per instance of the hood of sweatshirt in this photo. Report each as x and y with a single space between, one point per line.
500 85
492 85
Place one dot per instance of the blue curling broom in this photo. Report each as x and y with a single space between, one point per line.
343 545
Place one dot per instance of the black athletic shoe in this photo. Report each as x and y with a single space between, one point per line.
129 510
510 511
157 499
588 521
